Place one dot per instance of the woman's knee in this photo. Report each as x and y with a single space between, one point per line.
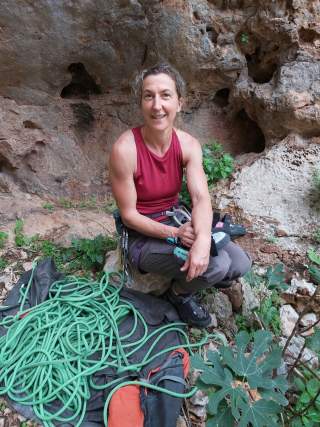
218 268
241 262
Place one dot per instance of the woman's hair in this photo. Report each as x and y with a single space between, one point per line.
162 68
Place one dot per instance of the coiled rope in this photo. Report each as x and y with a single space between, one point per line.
47 353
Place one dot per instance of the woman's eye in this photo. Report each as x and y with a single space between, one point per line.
147 97
166 95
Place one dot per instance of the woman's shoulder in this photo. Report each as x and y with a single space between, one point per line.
187 141
124 149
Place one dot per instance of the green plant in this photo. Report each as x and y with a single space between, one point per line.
316 235
91 202
109 206
244 38
216 164
48 206
2 405
275 278
268 313
314 256
65 203
241 384
3 238
314 271
19 237
90 252
243 323
307 406
3 263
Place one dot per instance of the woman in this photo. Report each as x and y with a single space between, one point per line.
146 168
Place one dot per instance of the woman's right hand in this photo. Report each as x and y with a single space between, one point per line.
186 234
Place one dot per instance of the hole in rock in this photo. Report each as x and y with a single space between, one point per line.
253 140
82 85
196 15
260 72
84 115
221 97
5 165
28 124
308 35
212 34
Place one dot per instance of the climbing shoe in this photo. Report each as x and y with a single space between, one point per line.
189 309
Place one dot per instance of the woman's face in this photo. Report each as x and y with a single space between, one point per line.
159 102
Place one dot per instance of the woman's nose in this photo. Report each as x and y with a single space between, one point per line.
156 103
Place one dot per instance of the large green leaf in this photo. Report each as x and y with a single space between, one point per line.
259 414
246 365
229 390
224 418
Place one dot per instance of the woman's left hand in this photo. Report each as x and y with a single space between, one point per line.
198 259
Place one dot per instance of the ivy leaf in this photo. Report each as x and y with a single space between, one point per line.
259 414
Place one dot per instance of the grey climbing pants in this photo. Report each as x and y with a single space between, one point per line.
156 256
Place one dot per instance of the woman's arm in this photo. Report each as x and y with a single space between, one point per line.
198 259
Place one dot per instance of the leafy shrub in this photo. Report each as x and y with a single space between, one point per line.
216 164
3 263
90 252
82 255
48 206
19 238
3 239
269 313
241 386
307 405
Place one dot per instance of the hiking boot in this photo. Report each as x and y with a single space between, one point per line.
235 295
189 309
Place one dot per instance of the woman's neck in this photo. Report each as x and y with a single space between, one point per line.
158 141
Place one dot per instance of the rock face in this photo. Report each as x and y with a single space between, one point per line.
252 72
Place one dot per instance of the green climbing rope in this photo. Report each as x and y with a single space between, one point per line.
47 352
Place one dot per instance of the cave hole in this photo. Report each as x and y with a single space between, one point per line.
5 165
260 72
308 35
250 133
212 34
196 15
82 85
29 124
221 98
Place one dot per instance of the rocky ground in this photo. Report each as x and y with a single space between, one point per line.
65 220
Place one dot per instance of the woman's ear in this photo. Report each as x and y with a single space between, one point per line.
180 103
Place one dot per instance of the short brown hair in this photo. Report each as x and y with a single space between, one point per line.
161 68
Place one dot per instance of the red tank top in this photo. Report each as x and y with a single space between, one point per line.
157 179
